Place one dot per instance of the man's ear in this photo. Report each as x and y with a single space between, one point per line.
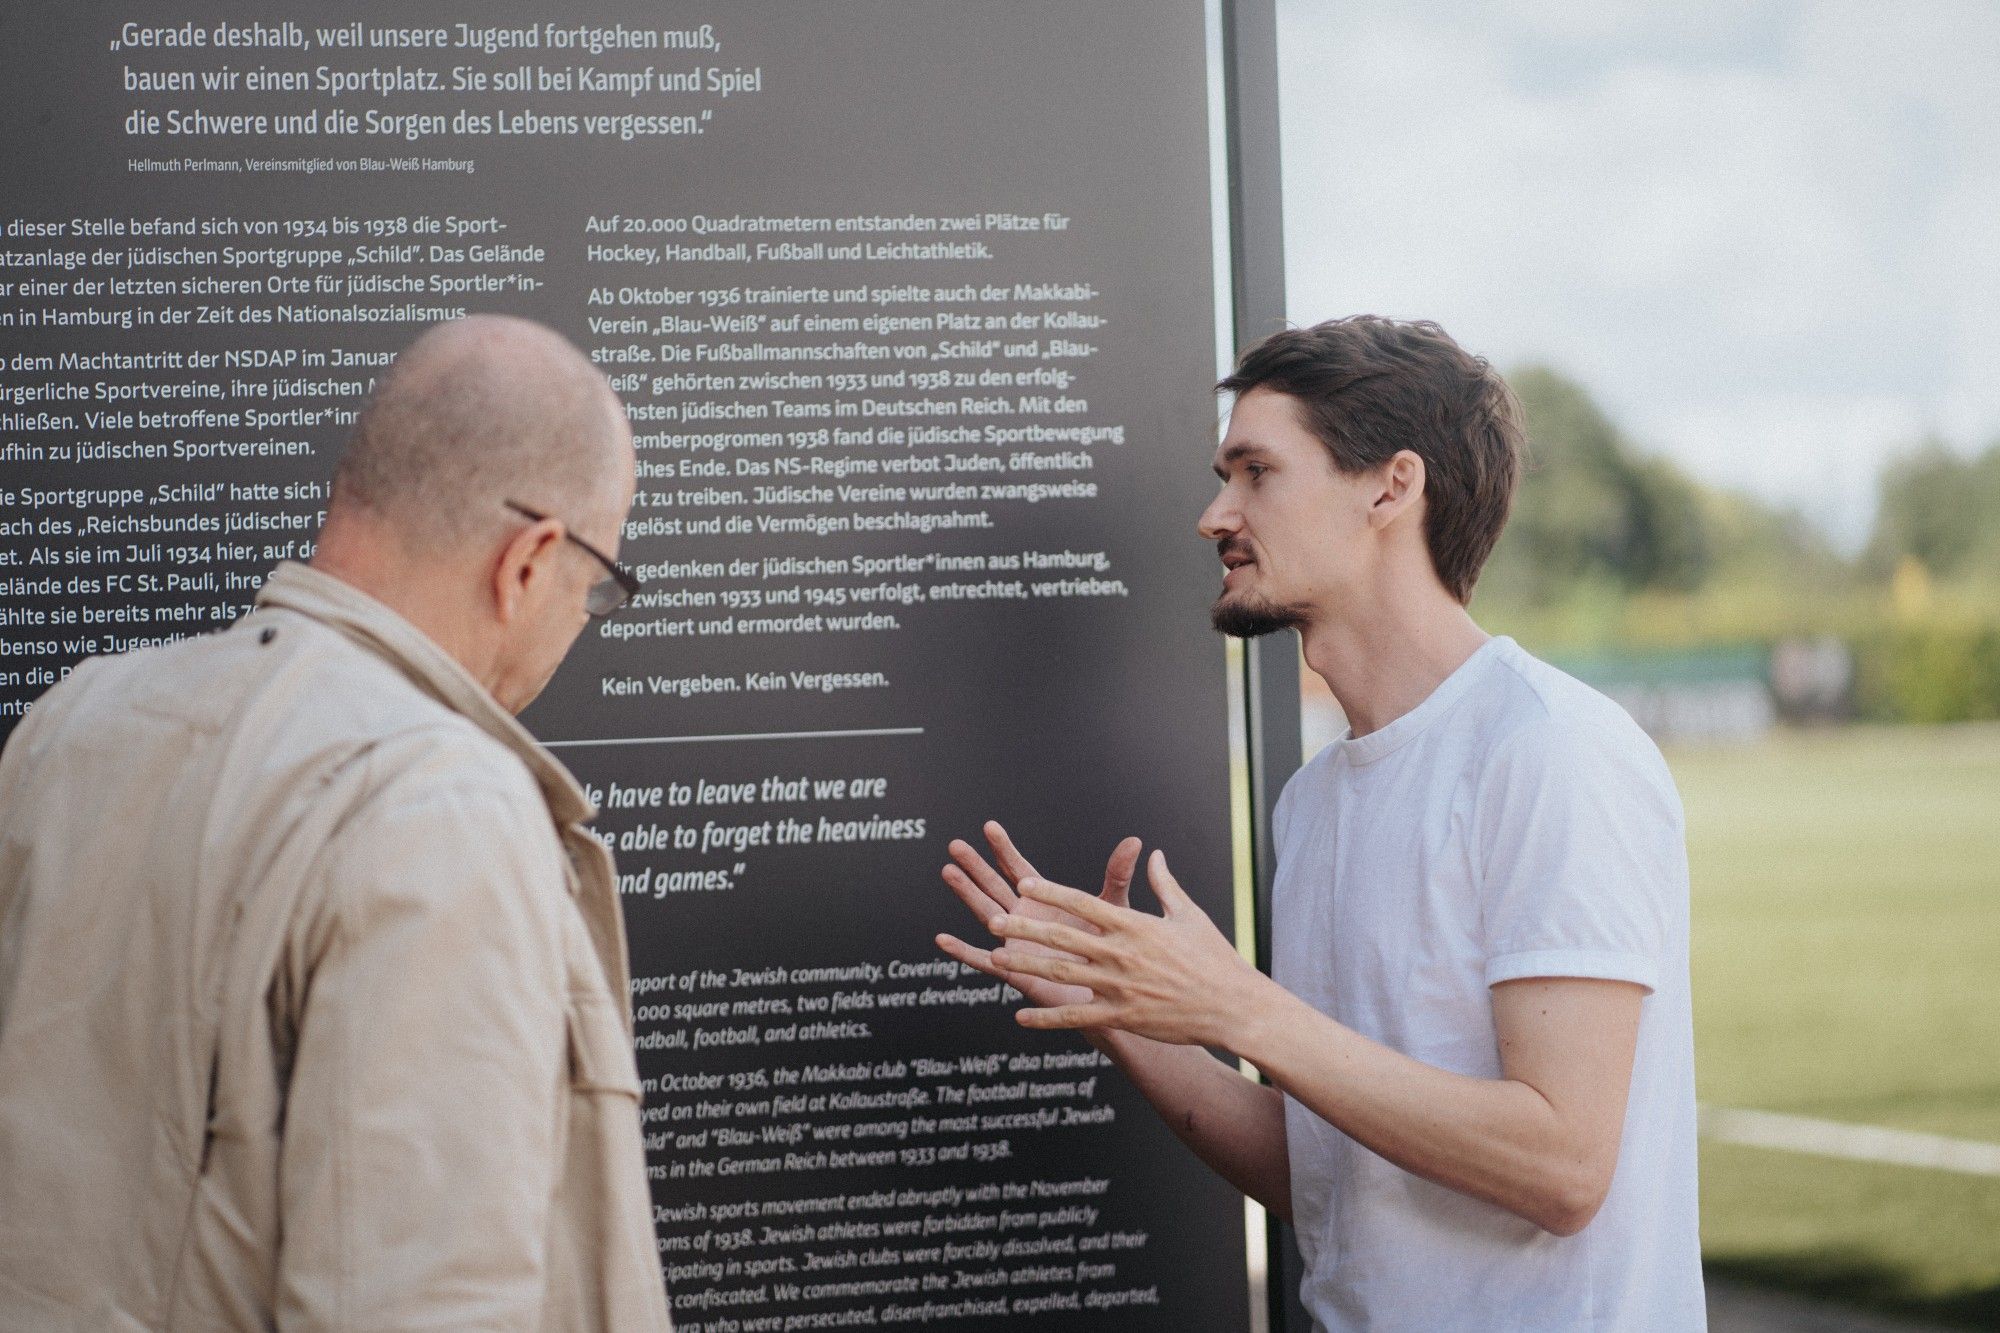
1400 488
523 563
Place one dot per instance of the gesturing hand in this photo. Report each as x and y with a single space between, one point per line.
991 895
1174 977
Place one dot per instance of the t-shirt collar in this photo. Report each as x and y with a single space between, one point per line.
1399 732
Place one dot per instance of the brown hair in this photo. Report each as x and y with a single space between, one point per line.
1368 387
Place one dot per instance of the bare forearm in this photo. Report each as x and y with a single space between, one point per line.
1541 1142
1234 1125
1498 1140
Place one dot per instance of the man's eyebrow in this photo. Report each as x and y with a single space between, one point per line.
1235 453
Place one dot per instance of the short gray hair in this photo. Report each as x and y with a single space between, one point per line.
475 413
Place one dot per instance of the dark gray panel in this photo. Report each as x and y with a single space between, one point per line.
1076 717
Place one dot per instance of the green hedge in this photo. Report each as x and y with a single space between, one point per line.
1936 658
1928 672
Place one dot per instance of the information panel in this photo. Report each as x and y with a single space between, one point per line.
911 303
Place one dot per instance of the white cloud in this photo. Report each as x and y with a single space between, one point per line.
1763 234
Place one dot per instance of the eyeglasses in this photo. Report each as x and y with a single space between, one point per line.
610 593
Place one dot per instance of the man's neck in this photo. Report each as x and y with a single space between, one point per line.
371 560
1383 658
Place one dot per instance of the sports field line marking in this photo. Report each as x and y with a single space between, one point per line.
741 736
1856 1143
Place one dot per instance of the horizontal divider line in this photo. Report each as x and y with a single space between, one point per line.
742 736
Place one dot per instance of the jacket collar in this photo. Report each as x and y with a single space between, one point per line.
343 607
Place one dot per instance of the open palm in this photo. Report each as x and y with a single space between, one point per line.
992 893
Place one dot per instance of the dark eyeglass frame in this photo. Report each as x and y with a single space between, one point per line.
607 596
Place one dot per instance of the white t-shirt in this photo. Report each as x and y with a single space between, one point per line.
1515 824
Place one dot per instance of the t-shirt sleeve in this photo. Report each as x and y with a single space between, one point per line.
1583 855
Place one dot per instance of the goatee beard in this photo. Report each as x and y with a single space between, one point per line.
1246 619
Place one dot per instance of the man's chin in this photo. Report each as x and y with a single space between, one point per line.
1245 618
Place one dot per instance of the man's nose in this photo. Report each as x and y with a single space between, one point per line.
1220 519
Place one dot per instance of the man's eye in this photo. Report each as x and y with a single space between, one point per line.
1256 470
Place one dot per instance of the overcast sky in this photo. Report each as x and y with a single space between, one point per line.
1765 235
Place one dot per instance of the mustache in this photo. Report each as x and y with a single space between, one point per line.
1229 546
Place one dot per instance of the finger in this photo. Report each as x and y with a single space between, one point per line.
1118 873
1093 1015
1173 898
985 876
982 960
971 955
1092 910
1052 967
1070 940
1016 866
976 899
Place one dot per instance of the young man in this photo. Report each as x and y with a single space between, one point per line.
1477 1031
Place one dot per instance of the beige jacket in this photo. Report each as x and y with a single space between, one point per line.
313 1002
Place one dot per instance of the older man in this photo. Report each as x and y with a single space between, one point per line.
312 985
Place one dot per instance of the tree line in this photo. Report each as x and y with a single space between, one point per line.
1611 547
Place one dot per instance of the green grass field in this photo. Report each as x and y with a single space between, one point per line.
1847 967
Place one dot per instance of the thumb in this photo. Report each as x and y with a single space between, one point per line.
1118 873
1173 899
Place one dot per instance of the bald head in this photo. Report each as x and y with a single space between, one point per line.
476 413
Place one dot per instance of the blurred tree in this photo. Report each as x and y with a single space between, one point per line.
1675 546
1594 517
1589 511
1757 544
1940 509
